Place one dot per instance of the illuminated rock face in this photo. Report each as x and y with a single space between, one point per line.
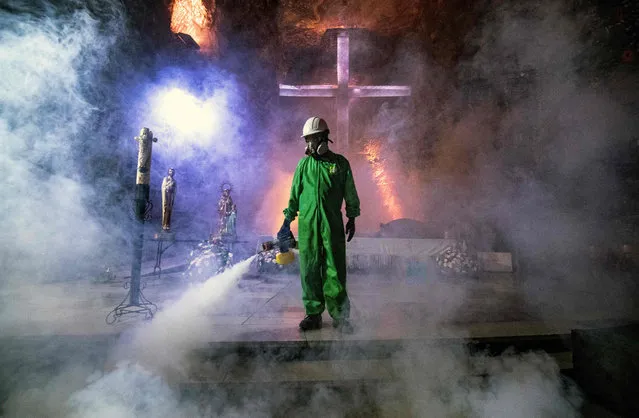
442 26
305 22
195 18
383 181
276 26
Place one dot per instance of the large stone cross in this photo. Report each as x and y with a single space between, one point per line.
343 91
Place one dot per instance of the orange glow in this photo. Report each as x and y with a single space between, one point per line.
275 200
193 18
384 183
305 22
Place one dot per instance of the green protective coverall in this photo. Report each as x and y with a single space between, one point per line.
320 185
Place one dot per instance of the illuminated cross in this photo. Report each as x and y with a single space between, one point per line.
343 91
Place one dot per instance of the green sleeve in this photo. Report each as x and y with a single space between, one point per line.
294 199
350 195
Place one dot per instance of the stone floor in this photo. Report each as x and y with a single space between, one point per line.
384 306
264 310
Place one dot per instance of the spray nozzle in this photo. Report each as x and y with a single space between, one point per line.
282 245
284 256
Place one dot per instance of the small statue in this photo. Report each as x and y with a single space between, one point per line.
224 209
231 222
169 189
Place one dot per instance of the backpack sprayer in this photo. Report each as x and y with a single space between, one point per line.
283 256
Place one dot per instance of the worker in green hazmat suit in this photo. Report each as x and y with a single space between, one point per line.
322 181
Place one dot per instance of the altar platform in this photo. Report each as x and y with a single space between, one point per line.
266 308
248 341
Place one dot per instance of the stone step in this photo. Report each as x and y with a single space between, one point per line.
359 378
356 349
331 372
357 399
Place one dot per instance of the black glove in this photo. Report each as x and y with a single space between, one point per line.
285 231
350 229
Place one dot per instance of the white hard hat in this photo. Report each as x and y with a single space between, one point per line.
314 125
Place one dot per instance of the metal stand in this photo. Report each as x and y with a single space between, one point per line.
161 239
158 258
137 302
143 306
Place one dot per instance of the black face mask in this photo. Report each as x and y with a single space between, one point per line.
316 146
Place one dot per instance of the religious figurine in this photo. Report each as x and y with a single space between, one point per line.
224 209
231 222
169 188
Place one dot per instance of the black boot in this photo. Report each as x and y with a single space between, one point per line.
311 322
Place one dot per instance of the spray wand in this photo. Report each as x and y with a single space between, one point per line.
284 256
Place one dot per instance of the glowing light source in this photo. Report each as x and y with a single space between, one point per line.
382 180
187 114
194 18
